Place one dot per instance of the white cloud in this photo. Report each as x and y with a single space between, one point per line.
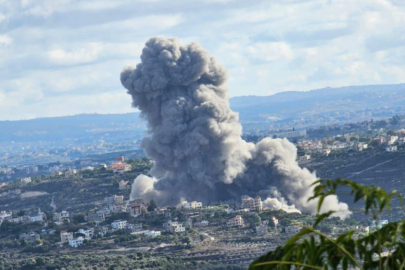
87 54
271 51
5 40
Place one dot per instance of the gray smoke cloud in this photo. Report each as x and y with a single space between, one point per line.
195 138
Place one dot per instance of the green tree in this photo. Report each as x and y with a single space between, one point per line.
383 248
152 205
186 240
254 221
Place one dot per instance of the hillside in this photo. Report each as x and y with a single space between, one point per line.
282 110
328 105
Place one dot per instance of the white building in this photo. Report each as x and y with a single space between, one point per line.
37 218
391 148
191 205
235 222
65 236
392 139
304 159
76 242
88 168
252 204
152 233
88 234
119 224
5 216
26 180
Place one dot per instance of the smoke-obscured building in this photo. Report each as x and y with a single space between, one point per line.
252 204
190 205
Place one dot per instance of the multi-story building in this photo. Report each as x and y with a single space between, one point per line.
60 218
65 236
136 209
392 139
119 224
76 242
252 204
173 227
95 216
137 227
121 167
103 230
191 205
235 222
30 237
88 234
114 200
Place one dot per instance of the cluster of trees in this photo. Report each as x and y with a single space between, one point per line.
383 248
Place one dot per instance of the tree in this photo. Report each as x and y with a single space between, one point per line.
381 249
152 205
186 240
78 218
254 221
40 261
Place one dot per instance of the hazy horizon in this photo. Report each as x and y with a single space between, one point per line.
133 110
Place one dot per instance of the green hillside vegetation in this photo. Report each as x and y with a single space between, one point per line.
382 248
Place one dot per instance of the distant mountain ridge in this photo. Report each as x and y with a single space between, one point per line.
320 102
310 108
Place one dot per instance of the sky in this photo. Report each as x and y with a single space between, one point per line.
64 57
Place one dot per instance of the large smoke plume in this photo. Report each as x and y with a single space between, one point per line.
195 138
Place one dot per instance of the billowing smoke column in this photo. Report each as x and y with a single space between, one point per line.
195 138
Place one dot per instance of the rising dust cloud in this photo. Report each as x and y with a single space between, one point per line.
195 138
